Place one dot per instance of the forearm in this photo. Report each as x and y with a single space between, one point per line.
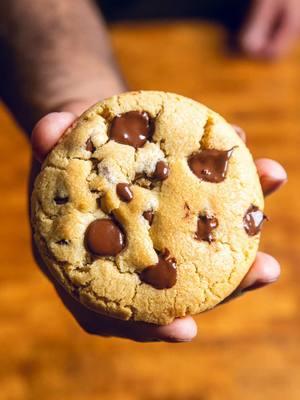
58 52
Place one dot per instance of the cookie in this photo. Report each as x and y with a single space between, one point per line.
149 208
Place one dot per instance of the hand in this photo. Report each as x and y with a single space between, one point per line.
265 269
271 28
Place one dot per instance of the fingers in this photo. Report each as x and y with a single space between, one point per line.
180 330
271 28
47 132
272 175
259 25
285 34
264 271
50 128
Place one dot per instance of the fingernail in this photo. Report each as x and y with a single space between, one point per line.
271 184
258 285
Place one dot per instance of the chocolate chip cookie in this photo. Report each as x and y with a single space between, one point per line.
149 208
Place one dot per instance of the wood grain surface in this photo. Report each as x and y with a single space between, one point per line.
247 349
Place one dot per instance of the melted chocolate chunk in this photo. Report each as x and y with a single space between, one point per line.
89 146
162 275
205 226
253 220
124 193
133 128
61 200
161 171
210 165
148 215
103 237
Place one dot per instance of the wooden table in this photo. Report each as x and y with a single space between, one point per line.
248 349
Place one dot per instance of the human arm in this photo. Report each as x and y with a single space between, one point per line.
55 55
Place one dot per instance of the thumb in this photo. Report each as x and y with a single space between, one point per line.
47 132
51 127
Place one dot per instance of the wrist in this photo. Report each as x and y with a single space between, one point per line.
79 93
73 96
88 94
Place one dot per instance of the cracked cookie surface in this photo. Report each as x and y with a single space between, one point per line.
149 208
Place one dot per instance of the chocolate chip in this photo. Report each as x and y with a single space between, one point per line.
162 275
148 215
89 146
161 171
133 128
103 237
205 226
124 193
210 165
253 220
61 200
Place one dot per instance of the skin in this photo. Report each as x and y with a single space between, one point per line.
64 70
68 57
61 51
271 28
